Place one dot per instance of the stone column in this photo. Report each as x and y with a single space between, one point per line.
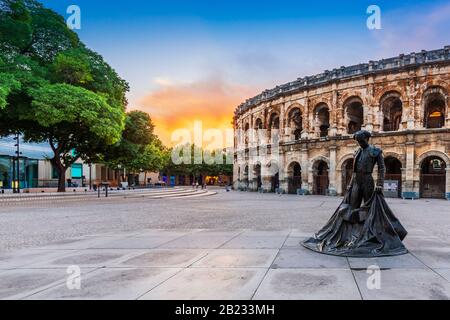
284 182
447 183
332 190
411 188
266 178
304 163
334 113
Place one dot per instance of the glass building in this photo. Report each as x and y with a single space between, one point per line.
31 154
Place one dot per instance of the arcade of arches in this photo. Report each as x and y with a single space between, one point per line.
311 122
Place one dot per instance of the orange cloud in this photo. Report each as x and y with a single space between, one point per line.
178 106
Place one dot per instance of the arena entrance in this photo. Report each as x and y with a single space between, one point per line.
295 177
394 172
432 178
257 174
347 172
275 184
321 180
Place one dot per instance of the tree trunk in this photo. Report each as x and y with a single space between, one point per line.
61 170
61 180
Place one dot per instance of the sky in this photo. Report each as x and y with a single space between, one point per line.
191 61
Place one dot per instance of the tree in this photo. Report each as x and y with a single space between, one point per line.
213 162
54 89
68 117
139 149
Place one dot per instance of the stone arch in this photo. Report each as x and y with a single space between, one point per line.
322 119
294 174
320 167
394 172
434 175
353 114
342 172
257 175
294 122
398 89
343 159
273 169
350 94
434 107
397 156
433 153
259 124
391 107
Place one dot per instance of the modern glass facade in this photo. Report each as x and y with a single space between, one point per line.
28 172
31 153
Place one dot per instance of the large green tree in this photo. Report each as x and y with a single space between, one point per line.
54 89
139 149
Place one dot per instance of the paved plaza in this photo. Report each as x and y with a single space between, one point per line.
229 245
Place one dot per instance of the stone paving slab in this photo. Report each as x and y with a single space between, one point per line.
200 241
26 257
20 283
218 264
293 241
238 258
308 284
445 273
302 258
209 284
407 261
89 258
112 283
168 258
136 242
437 257
255 242
405 284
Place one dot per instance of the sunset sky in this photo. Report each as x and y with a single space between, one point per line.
198 60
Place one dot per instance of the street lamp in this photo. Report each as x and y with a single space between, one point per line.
90 175
16 171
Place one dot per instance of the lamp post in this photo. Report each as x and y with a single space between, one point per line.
16 176
90 176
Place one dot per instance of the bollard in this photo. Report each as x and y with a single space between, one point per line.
106 194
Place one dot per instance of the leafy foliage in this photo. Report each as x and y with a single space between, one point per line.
53 88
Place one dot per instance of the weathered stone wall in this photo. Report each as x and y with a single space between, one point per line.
418 86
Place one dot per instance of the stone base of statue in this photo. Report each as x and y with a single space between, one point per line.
370 231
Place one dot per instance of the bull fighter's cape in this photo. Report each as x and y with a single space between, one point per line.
370 231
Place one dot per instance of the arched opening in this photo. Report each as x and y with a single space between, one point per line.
274 128
394 172
355 114
295 177
347 172
392 109
274 170
434 104
321 180
257 175
245 179
258 128
432 178
322 117
246 134
295 123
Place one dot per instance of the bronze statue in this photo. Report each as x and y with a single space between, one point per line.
367 230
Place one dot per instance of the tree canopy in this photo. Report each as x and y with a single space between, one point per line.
53 88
